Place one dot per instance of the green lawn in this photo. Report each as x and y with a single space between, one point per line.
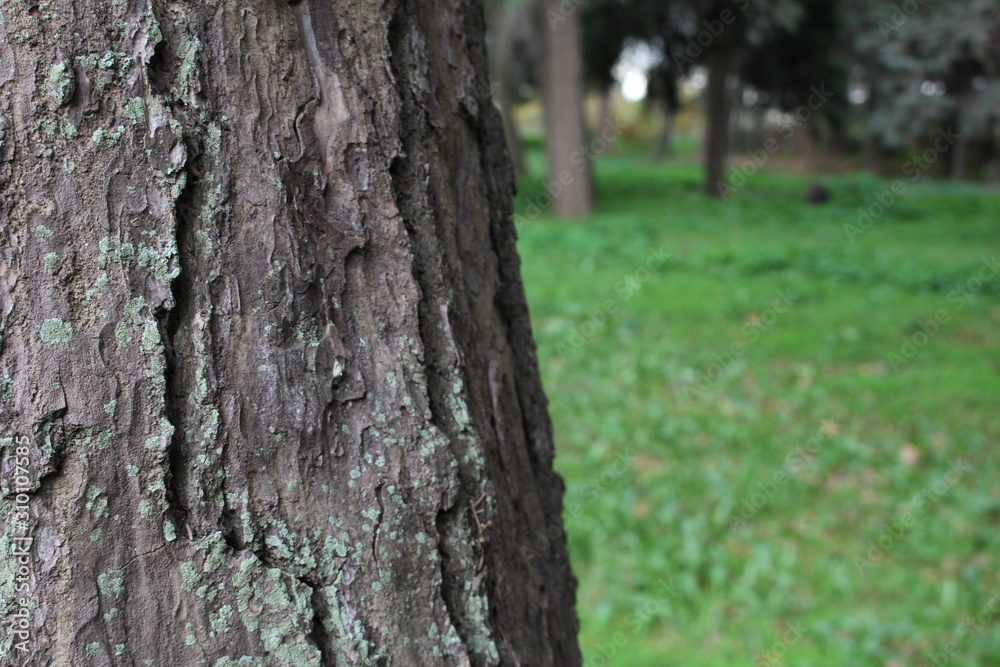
760 469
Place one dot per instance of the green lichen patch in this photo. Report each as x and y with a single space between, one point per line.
67 129
187 53
135 109
150 336
169 532
114 251
275 604
60 83
111 583
56 331
51 262
96 503
219 620
91 650
123 335
102 136
160 262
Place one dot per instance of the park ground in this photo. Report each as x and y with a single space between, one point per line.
778 425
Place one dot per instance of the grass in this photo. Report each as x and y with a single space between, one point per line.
701 531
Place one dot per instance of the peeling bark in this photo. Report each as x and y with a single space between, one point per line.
264 348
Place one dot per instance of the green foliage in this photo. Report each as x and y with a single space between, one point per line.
656 471
927 62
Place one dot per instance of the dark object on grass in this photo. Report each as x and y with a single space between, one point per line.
818 194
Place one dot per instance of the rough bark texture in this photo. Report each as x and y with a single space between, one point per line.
561 64
265 343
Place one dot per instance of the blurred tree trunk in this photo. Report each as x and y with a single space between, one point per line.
736 139
267 383
661 145
873 153
717 121
759 115
506 94
558 28
960 152
605 120
873 145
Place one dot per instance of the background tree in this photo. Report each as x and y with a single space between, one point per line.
606 26
513 60
926 67
792 62
558 35
265 343
716 35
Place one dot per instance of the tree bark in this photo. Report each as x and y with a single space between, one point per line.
268 389
717 122
559 31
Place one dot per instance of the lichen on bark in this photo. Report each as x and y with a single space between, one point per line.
264 331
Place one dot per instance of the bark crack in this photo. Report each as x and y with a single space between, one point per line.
378 525
318 634
171 323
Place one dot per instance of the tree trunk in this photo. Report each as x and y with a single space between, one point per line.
717 122
661 145
960 153
605 120
759 116
268 389
873 154
873 144
561 79
736 140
